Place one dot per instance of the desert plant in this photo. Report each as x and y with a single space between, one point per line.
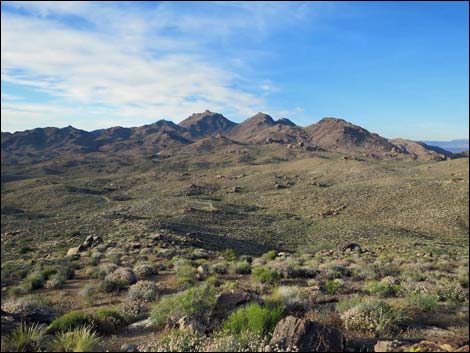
253 318
70 321
422 302
374 317
185 276
24 338
195 301
80 339
242 268
143 290
270 255
265 275
381 289
108 320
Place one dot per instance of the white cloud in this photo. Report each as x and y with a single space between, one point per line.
123 60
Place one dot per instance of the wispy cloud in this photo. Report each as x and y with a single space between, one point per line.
140 63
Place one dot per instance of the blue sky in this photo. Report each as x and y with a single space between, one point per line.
396 68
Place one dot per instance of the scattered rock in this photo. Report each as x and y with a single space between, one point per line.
141 325
189 324
129 347
303 335
352 247
387 346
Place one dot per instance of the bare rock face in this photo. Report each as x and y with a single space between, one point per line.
294 334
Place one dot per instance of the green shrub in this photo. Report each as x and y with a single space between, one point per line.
333 286
185 276
107 320
423 302
242 268
270 255
229 254
81 339
24 338
265 275
196 301
70 321
253 318
381 289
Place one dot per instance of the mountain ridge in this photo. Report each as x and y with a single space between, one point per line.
163 136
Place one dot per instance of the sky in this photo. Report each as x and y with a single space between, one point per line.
400 69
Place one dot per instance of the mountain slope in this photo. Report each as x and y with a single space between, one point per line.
339 135
420 150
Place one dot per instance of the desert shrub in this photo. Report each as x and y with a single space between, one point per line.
145 270
223 341
35 280
176 341
56 281
253 318
185 276
422 302
290 297
450 291
137 302
270 255
196 301
70 321
107 320
265 275
229 254
242 268
80 339
220 268
28 308
118 279
463 277
110 285
333 286
143 290
373 317
24 338
381 289
88 293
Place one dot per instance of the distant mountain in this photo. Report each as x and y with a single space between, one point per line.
207 131
339 135
453 146
206 124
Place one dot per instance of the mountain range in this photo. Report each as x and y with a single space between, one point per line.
164 138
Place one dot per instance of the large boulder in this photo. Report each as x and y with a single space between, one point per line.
294 334
227 302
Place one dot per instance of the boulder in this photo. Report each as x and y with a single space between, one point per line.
129 347
75 250
190 325
294 334
387 346
141 325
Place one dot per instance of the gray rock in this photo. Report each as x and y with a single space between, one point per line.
302 335
129 347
